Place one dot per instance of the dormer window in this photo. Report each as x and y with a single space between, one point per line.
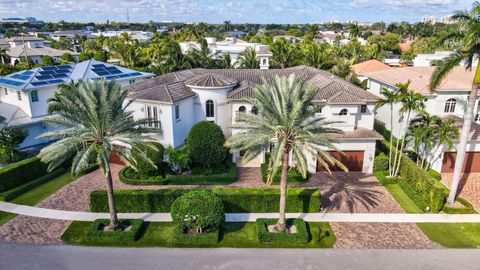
343 112
209 108
450 105
254 110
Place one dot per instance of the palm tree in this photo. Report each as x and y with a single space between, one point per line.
284 53
94 123
422 131
227 25
354 31
445 134
286 119
411 102
467 38
248 59
390 97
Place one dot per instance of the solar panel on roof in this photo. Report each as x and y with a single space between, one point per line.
64 67
44 77
135 74
55 81
28 72
23 77
39 83
111 77
123 75
115 71
60 75
49 68
10 82
102 73
46 72
98 65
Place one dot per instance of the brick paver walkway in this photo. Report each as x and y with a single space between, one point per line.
469 187
342 193
359 193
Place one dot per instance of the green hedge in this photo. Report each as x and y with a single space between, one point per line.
96 235
196 240
15 192
170 179
294 177
436 175
21 172
380 163
468 209
427 192
235 200
264 236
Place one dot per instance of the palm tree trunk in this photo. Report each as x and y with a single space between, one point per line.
114 223
281 224
462 145
391 142
397 169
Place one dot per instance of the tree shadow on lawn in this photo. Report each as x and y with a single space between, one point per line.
348 190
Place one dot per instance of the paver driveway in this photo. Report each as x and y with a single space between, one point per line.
469 187
360 193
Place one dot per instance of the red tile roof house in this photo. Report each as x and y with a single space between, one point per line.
447 101
181 99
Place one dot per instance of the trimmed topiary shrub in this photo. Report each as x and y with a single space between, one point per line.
21 172
97 235
200 210
205 143
264 236
380 163
235 200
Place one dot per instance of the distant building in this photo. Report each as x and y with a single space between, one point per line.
429 59
447 19
30 20
71 34
231 46
429 19
237 34
290 38
34 48
138 35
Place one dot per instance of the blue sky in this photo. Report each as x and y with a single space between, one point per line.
217 11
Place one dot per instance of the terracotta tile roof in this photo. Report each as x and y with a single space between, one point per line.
358 134
405 46
330 88
369 66
210 80
459 79
474 128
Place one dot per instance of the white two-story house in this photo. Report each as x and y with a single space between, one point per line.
448 101
24 95
181 99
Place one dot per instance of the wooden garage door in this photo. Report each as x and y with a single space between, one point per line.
353 160
470 164
115 159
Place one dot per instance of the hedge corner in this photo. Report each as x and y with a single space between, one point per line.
265 237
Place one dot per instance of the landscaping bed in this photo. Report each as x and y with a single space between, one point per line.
224 178
301 236
232 234
235 200
133 230
183 238
294 177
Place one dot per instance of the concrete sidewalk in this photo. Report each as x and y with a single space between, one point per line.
245 217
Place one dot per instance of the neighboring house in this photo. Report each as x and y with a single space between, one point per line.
34 48
4 44
181 99
426 60
330 37
392 60
447 101
24 95
71 34
231 45
368 66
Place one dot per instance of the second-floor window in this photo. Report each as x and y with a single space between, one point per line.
149 116
155 117
254 110
34 96
6 91
209 108
241 109
343 112
19 95
450 105
131 81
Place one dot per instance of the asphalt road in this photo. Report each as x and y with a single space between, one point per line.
15 256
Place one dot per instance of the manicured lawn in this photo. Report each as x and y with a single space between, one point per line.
451 235
236 234
38 194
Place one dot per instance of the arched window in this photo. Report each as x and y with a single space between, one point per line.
343 112
209 108
450 105
242 109
254 110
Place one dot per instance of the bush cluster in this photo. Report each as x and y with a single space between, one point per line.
21 172
235 200
196 240
380 163
205 143
145 170
264 236
198 209
95 235
294 177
